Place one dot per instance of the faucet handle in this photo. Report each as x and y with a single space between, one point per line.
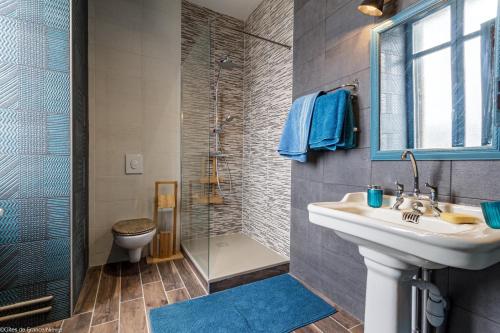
399 187
434 191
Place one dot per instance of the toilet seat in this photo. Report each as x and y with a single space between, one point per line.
133 227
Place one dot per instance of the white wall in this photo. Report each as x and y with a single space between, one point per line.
134 88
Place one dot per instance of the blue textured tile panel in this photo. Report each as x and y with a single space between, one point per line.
58 50
33 219
58 134
32 137
58 217
57 179
9 177
34 262
30 176
60 303
9 29
9 227
31 90
31 11
55 13
8 266
8 130
32 49
57 95
9 86
8 8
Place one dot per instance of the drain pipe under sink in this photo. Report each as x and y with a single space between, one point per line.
428 305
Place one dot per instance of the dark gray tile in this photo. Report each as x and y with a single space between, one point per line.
345 23
308 76
298 4
305 192
304 258
363 123
403 4
342 268
462 321
312 170
466 201
348 56
435 172
310 45
476 291
311 14
348 167
440 277
335 192
332 6
475 179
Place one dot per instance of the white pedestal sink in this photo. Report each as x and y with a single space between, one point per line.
393 250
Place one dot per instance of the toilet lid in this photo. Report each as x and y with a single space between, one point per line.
133 227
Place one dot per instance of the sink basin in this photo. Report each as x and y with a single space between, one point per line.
393 250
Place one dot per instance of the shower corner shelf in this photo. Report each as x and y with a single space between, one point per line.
208 200
206 194
210 180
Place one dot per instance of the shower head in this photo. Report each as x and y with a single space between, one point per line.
227 63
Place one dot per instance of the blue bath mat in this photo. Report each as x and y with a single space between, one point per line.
276 305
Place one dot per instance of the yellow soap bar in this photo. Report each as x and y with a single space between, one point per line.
458 218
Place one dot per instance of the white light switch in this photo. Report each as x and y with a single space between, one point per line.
134 164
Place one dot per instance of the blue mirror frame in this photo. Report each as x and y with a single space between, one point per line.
475 153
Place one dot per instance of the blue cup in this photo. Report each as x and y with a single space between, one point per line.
375 196
491 213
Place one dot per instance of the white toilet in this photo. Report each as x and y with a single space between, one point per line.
133 235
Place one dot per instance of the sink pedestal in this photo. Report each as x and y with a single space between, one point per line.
388 293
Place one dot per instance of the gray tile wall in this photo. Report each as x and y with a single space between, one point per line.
331 41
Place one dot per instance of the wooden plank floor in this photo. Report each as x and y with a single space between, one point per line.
115 298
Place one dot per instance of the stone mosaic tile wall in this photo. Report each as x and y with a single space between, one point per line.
267 96
258 92
35 161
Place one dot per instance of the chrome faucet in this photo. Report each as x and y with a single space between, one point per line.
401 195
416 188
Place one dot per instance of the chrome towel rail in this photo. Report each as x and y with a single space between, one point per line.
26 303
354 85
25 314
22 304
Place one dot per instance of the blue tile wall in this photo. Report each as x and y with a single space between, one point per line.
35 155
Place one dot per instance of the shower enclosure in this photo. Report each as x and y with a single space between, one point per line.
236 91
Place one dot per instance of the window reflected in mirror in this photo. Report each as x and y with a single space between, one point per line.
437 78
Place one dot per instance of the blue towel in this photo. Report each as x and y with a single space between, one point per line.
294 139
332 124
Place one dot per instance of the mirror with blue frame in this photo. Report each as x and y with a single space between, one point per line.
434 81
